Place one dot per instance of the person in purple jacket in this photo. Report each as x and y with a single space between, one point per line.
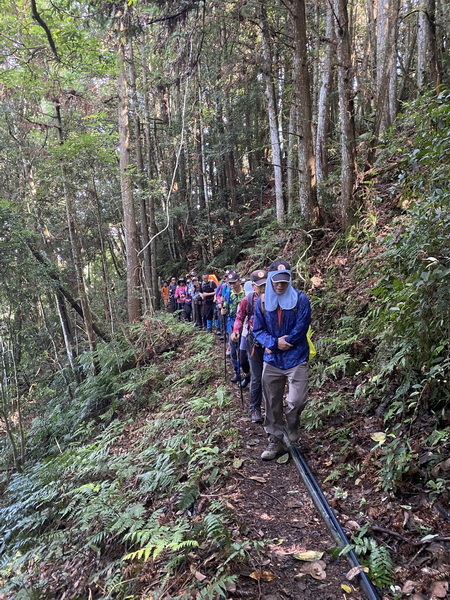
282 317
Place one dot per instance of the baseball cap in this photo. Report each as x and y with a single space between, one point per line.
280 265
232 277
283 267
258 277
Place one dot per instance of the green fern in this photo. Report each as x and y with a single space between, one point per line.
381 568
377 558
158 538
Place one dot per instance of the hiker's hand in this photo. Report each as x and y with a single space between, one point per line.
268 351
283 344
234 337
223 311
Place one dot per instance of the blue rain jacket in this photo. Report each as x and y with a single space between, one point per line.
268 326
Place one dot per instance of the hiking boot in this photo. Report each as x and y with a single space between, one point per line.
235 378
293 434
244 382
274 448
256 416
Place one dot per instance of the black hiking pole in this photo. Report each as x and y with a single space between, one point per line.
224 347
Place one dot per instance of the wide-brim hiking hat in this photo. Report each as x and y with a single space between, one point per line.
258 277
232 277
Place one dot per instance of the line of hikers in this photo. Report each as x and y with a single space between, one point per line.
265 322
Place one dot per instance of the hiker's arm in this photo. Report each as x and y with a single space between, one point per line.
261 332
240 316
302 322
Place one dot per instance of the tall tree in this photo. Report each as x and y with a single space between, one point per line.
346 112
307 193
126 185
272 114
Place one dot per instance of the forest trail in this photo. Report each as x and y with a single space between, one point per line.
273 507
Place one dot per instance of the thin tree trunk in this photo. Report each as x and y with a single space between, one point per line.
386 85
76 249
291 161
148 292
307 192
346 116
204 176
67 333
109 310
151 167
129 218
324 107
272 116
428 67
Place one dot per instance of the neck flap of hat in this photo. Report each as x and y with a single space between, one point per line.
287 300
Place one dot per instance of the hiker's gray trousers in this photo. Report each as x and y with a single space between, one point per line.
274 382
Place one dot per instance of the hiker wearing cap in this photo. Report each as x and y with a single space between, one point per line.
282 318
230 303
255 352
207 291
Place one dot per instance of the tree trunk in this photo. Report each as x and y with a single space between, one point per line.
307 192
148 292
428 67
324 107
204 179
346 116
151 168
129 218
67 334
75 246
291 161
386 84
272 116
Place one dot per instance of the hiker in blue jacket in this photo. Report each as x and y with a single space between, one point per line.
281 321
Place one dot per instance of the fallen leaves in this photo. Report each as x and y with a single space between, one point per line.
356 571
439 590
283 459
316 569
258 479
379 437
263 576
308 555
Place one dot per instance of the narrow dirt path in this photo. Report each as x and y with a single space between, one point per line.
272 503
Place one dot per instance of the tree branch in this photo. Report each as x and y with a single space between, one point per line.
37 17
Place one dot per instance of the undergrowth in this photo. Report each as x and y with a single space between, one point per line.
109 507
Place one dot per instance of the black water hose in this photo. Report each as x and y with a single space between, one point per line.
328 516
